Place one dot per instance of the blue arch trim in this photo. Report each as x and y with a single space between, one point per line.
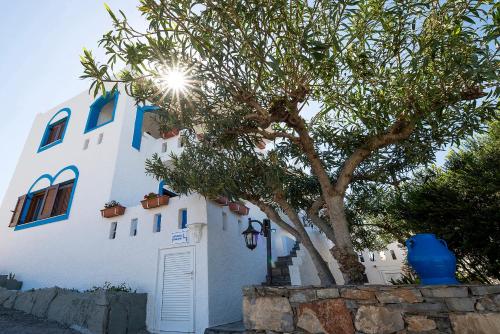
43 147
139 119
95 110
29 195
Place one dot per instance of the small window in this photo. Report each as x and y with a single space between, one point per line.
157 223
361 257
164 148
54 132
382 255
102 111
99 139
86 144
133 227
224 221
112 230
182 218
393 255
372 256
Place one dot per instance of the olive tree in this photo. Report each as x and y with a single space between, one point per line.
345 93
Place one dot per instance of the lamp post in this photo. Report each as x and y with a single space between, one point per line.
251 236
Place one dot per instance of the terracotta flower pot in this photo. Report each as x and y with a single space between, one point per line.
239 208
261 144
114 211
221 200
170 134
155 202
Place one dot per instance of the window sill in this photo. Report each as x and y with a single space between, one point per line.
97 126
41 222
54 143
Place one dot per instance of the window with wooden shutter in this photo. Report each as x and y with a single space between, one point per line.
35 205
16 214
48 203
62 199
55 132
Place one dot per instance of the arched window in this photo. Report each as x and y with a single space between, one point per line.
102 111
48 200
55 129
144 123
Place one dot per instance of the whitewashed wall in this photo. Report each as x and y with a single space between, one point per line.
231 264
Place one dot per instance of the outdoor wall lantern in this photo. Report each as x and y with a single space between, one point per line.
251 236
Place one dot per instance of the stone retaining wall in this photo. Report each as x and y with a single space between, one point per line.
373 309
97 312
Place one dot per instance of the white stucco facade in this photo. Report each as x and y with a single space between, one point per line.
78 252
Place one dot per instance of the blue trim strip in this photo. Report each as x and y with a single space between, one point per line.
139 119
95 110
48 127
51 219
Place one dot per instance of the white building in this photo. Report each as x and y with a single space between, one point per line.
189 255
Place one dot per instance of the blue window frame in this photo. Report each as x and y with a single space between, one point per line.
55 130
157 221
183 218
58 197
139 119
102 111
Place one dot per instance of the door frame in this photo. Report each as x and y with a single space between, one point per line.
157 298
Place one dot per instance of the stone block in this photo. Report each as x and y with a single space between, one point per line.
399 296
460 304
496 300
41 301
328 293
418 323
135 305
357 294
477 323
6 294
24 301
445 292
70 308
9 302
424 308
268 313
481 290
117 319
378 320
486 304
325 316
302 296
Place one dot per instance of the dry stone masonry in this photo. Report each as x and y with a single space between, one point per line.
369 309
98 312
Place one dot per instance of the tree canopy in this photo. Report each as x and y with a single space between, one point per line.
346 93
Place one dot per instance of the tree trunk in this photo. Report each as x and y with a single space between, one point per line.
343 251
324 273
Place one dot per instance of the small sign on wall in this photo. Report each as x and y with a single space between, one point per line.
180 237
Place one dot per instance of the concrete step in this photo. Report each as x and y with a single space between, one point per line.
231 328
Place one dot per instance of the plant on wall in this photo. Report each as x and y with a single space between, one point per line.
111 204
349 93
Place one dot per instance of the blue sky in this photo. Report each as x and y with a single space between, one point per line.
41 42
40 64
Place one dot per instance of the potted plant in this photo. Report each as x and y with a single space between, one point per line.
112 209
169 134
153 200
11 283
239 208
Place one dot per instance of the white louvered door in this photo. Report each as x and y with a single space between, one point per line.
176 290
